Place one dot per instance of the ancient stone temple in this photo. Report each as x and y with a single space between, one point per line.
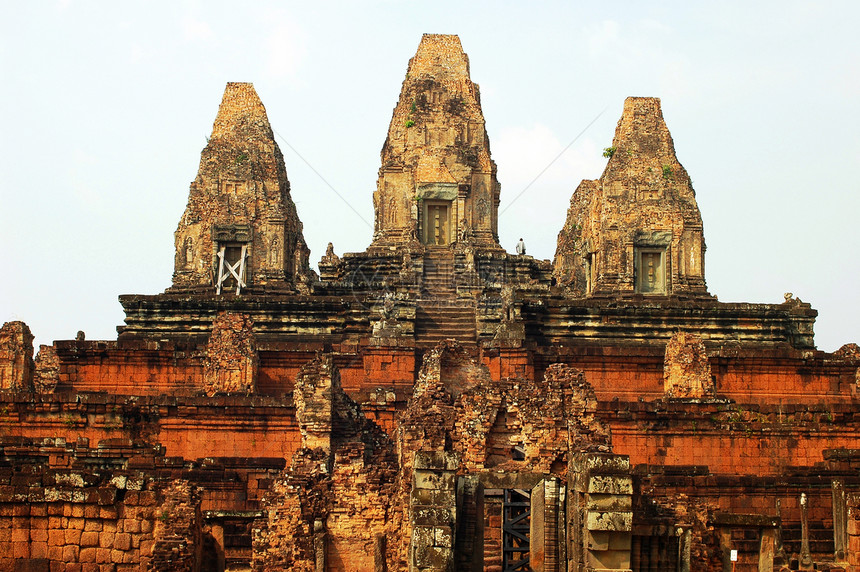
434 403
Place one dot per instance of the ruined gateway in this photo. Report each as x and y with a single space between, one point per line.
433 403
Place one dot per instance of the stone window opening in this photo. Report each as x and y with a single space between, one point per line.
518 452
233 187
649 271
232 264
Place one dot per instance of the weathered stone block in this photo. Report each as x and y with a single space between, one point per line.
610 503
434 480
598 540
611 485
106 539
122 541
16 357
432 515
436 460
612 521
443 536
90 538
88 554
433 558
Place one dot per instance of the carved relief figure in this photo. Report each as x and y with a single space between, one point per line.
275 252
483 210
189 252
391 213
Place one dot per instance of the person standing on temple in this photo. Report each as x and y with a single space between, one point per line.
521 247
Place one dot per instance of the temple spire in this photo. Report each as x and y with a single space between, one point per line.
240 229
437 183
637 229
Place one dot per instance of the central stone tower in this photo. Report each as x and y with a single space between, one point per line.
437 184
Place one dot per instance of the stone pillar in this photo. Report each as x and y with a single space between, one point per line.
780 558
314 391
726 548
550 518
544 538
604 489
840 520
685 536
433 512
537 529
765 551
470 528
379 553
16 357
217 532
852 531
805 556
319 547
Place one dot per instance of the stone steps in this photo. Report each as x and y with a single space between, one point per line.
439 320
439 274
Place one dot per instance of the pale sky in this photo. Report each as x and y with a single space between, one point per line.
106 105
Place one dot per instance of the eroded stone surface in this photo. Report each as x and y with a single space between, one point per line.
338 490
231 356
47 369
686 368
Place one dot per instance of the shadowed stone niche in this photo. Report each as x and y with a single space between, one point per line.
686 369
231 356
16 357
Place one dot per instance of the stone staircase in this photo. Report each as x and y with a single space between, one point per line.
439 278
437 320
439 314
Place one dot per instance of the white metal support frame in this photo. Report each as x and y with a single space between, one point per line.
237 270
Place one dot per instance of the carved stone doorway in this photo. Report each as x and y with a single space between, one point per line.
437 223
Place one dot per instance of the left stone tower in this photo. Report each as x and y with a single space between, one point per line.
240 230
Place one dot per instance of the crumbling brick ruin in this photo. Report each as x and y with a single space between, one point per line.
434 403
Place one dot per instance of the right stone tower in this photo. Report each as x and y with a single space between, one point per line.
637 230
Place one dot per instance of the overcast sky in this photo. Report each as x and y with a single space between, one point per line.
105 107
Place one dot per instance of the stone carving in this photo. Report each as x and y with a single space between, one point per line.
313 398
424 161
637 229
231 359
241 184
189 252
16 357
47 373
848 351
686 369
387 330
511 327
